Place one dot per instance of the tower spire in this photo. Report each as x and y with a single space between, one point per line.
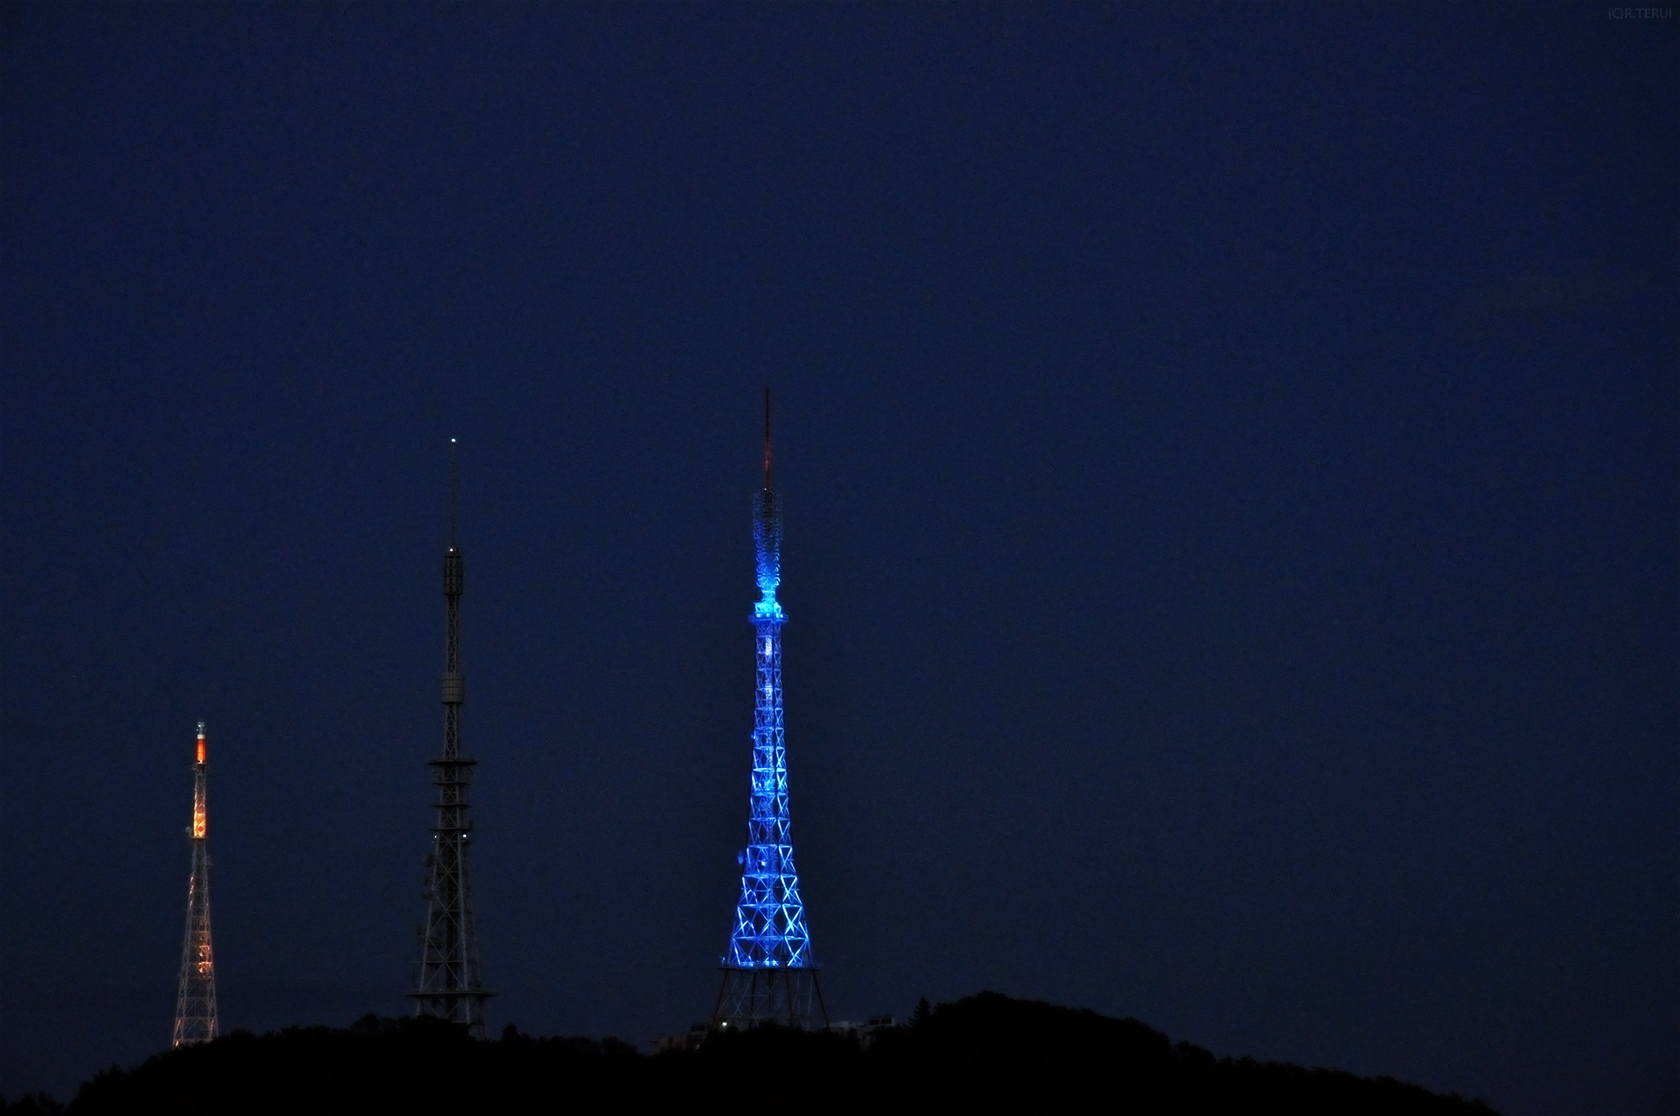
769 974
454 488
450 985
768 479
195 996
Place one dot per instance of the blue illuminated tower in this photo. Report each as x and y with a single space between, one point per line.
769 973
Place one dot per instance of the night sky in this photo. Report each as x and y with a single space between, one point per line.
1231 460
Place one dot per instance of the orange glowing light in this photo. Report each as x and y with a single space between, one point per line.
198 789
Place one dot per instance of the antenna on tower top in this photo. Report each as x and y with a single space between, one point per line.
767 483
454 487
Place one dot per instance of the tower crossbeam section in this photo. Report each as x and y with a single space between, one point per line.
450 984
195 996
770 974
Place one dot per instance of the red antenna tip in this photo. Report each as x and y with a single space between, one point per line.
767 483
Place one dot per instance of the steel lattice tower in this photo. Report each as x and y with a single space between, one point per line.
769 973
451 985
195 999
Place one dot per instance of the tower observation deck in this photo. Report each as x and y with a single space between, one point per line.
769 973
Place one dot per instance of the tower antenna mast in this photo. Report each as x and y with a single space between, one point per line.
450 985
195 996
769 481
769 973
454 489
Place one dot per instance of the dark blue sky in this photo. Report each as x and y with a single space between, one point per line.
1231 479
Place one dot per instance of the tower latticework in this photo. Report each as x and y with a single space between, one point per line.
195 997
769 973
451 985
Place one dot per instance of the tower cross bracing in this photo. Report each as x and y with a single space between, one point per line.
450 984
769 973
195 995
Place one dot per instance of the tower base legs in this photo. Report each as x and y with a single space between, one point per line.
753 997
463 1007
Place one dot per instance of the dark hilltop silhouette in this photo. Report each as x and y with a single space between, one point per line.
986 1048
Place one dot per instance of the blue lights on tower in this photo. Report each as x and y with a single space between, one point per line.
769 973
767 540
770 929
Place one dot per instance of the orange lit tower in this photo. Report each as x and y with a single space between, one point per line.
451 985
195 1001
